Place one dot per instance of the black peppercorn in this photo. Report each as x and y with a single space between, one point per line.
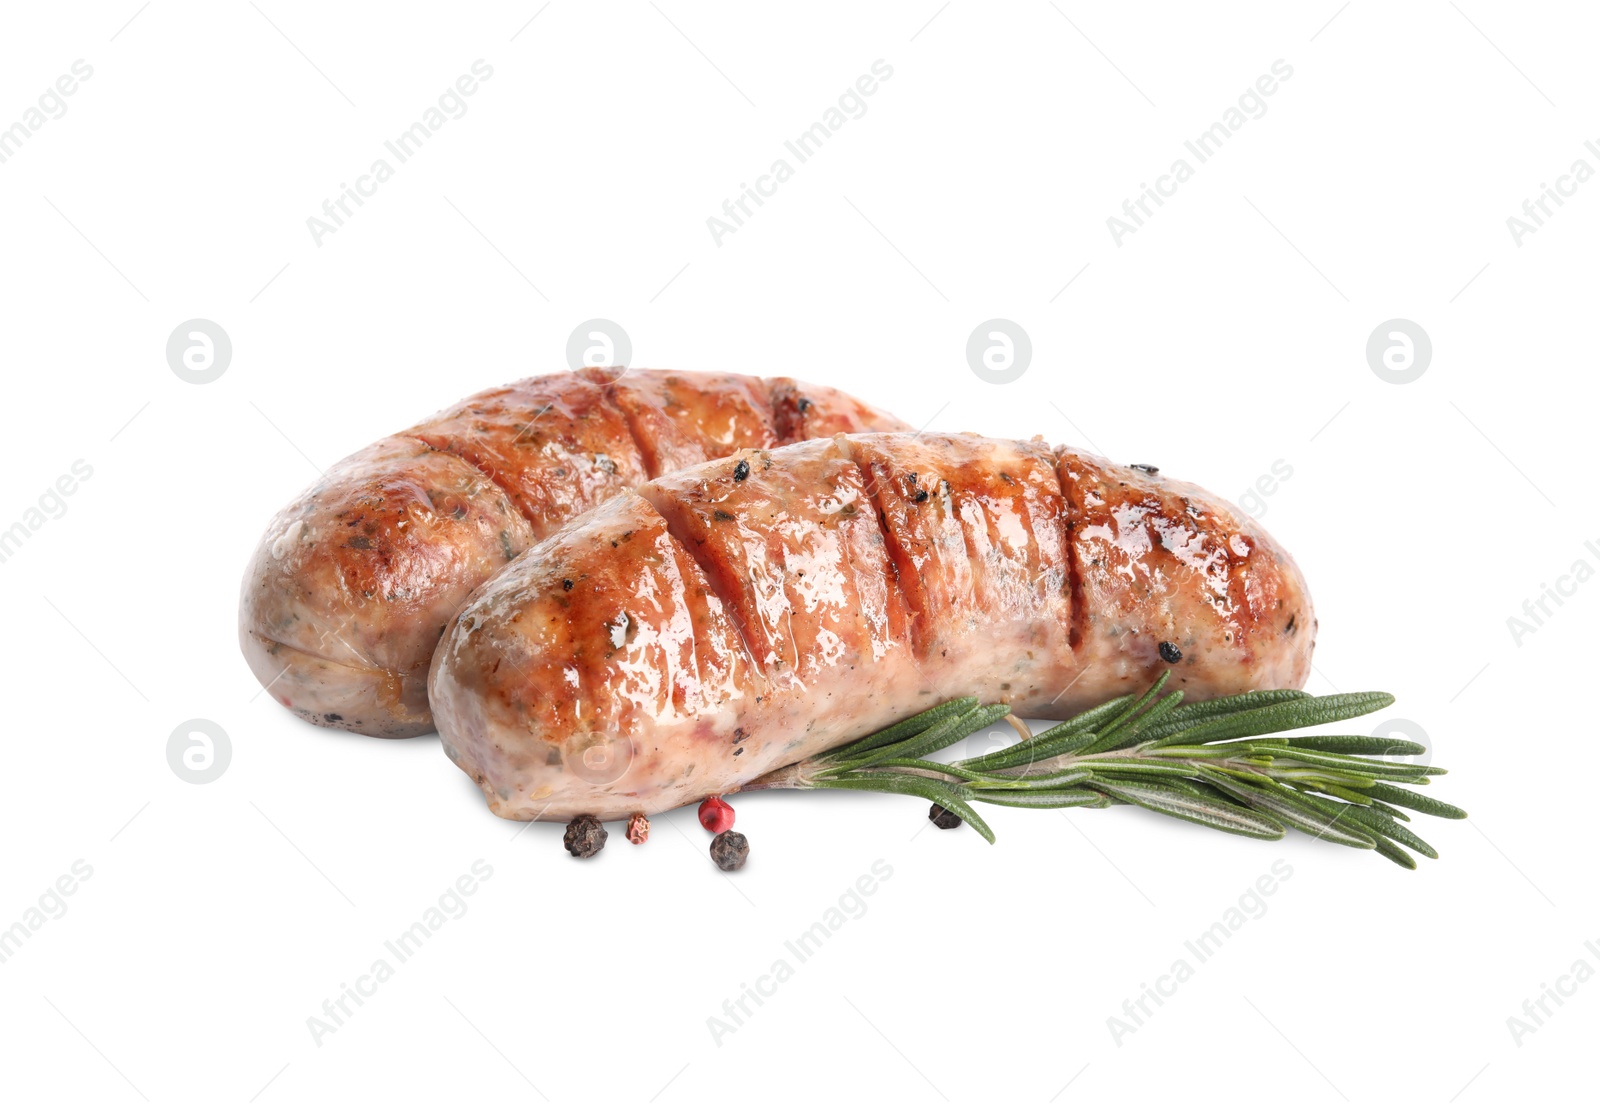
729 850
943 818
1170 653
741 470
1147 469
585 836
566 585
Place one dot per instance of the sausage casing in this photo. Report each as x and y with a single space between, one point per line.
352 584
740 615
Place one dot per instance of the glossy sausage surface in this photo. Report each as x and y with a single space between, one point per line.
352 584
735 617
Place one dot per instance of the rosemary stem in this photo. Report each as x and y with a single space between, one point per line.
796 776
1217 763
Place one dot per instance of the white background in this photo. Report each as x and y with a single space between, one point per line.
1226 334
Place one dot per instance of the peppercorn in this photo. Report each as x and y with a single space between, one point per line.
741 470
716 815
729 850
1147 469
638 829
943 818
1169 652
585 836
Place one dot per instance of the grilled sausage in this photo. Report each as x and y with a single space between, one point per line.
741 615
352 584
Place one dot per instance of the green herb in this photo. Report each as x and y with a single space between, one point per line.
1217 763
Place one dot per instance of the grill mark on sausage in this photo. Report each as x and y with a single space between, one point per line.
788 413
1041 519
647 453
719 579
552 443
804 575
677 420
938 583
488 474
1075 588
899 558
974 530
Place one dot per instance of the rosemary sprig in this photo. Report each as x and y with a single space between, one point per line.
1216 763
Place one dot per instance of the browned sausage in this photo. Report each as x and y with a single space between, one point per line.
743 614
353 582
